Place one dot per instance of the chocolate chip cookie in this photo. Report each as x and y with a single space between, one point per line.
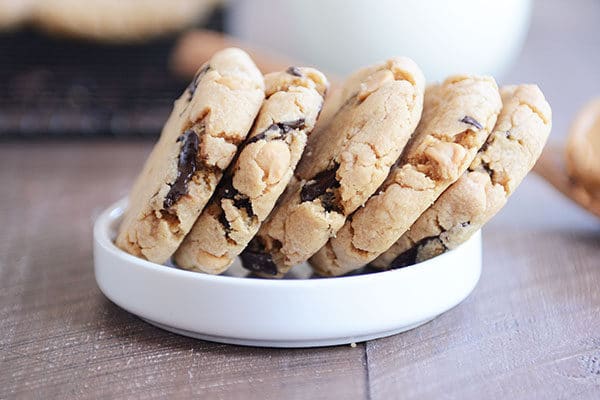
208 123
501 164
459 116
583 149
259 175
343 166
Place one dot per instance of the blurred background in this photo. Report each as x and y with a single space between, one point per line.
112 68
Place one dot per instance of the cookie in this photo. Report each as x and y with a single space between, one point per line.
343 166
208 123
458 117
583 149
259 175
117 20
501 164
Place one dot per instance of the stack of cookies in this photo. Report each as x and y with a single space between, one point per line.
396 174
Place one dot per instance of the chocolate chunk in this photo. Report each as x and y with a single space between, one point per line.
186 167
224 222
191 89
294 71
328 200
243 202
409 257
227 191
257 261
484 147
471 121
288 126
486 167
283 129
320 187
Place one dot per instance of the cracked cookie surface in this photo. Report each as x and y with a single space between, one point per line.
344 163
499 167
459 115
260 173
199 140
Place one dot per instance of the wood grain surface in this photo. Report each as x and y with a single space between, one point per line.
61 338
530 330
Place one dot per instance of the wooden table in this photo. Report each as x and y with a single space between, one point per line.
531 329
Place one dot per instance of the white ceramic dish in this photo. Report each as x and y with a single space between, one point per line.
290 312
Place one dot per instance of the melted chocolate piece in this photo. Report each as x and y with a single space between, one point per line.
487 169
329 203
244 202
283 127
319 187
409 257
186 167
227 191
191 89
484 147
471 121
288 126
294 71
257 261
224 222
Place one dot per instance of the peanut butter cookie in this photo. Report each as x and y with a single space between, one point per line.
501 164
344 164
458 117
208 123
263 168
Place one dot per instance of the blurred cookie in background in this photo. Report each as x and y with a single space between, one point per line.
583 148
117 20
